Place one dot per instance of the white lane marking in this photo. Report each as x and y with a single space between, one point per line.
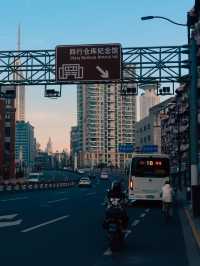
12 199
142 215
147 210
63 192
92 193
108 252
6 224
128 232
58 200
134 223
8 217
46 223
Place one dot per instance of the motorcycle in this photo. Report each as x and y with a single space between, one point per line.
115 235
115 223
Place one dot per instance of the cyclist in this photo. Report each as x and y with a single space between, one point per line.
167 198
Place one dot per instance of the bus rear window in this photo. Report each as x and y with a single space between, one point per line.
153 167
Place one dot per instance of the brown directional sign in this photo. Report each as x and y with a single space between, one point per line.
94 62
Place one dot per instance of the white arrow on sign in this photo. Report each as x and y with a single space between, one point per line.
104 74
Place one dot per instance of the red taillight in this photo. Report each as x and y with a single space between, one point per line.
131 184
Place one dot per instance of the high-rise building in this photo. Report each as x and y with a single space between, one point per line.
20 89
49 148
25 144
74 143
105 120
148 99
7 137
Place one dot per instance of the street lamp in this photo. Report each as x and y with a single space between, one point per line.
152 17
193 99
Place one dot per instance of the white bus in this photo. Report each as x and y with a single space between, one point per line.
146 176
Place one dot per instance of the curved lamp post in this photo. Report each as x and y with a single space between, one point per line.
193 99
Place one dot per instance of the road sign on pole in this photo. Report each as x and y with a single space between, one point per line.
89 63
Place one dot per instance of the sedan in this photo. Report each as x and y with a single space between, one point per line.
84 182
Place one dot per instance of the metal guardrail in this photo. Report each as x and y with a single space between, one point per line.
32 186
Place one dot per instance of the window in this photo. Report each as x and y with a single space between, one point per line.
7 146
7 116
149 138
7 131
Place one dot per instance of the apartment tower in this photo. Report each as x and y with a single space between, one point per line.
105 120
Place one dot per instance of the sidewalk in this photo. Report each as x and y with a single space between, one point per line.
193 222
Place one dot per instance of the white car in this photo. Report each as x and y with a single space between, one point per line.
104 175
85 182
81 171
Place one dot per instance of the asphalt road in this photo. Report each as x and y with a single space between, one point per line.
63 227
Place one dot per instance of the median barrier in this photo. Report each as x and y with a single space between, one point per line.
20 187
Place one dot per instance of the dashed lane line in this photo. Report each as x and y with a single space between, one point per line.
10 223
58 200
142 215
147 210
44 224
8 217
108 252
13 199
128 232
134 223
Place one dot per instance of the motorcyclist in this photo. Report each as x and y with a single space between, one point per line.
116 209
116 191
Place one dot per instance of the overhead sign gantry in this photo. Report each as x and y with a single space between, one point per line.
95 63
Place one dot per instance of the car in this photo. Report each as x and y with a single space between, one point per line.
81 171
104 175
85 182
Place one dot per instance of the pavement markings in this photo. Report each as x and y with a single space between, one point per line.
147 210
128 232
62 192
142 215
8 217
13 199
44 224
10 223
58 200
108 252
134 223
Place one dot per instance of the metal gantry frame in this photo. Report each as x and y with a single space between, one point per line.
166 64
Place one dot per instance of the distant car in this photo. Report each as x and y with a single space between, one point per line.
85 182
81 171
104 175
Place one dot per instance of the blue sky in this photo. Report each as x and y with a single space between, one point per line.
45 24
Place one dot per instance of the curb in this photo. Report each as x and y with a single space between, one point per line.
195 231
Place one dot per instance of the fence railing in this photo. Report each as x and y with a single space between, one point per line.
32 186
